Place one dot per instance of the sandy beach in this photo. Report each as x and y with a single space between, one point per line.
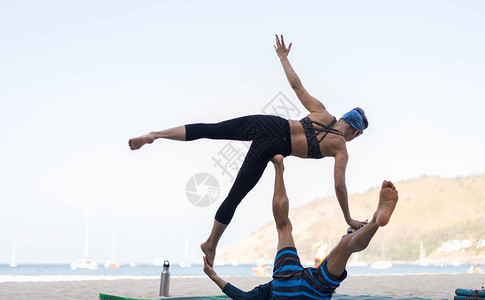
436 286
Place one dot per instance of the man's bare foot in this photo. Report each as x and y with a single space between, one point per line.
137 143
277 160
387 202
209 252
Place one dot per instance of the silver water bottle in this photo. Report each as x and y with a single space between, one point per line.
165 279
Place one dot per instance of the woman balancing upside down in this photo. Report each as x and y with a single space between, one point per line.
317 135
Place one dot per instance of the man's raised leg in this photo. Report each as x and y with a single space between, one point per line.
281 206
359 240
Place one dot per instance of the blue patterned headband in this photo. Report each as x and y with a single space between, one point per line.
355 119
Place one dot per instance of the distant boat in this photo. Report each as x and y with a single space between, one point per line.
382 265
261 268
85 263
423 261
113 263
455 263
355 262
13 262
219 262
185 263
134 258
158 261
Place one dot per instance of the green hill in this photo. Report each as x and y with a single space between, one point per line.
430 209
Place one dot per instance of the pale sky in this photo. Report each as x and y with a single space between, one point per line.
78 79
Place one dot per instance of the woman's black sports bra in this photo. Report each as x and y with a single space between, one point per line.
311 134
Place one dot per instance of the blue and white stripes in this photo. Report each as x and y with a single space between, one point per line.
292 281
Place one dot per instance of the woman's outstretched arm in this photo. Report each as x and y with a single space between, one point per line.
341 160
311 103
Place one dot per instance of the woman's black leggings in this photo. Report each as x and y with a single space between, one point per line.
270 136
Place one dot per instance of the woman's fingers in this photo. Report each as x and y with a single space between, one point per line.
277 40
281 44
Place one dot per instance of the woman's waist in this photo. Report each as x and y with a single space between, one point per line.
299 147
296 128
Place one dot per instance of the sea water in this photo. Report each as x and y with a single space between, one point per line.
197 270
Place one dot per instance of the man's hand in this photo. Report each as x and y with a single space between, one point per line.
280 47
213 275
208 269
356 224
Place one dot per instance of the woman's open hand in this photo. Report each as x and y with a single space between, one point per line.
280 47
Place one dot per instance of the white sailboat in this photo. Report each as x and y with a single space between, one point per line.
85 263
382 265
355 262
13 262
134 258
219 262
113 263
423 261
185 263
159 261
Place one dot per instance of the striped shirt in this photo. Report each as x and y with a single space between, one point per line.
292 281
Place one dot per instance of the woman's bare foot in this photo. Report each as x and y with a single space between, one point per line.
277 160
387 202
137 143
210 253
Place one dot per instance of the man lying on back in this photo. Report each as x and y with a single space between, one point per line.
290 279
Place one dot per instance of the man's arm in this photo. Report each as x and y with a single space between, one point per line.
260 292
213 275
311 103
341 160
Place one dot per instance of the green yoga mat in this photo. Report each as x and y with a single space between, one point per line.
335 297
458 297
